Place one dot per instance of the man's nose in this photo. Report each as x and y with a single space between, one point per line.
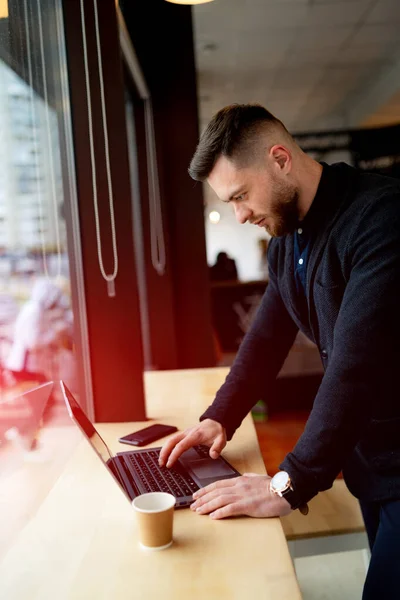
242 213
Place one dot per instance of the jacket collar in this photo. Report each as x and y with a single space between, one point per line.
334 182
333 192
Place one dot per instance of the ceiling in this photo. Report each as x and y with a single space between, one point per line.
315 64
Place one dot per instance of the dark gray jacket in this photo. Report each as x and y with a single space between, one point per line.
352 313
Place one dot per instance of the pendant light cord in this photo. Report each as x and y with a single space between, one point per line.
35 141
49 144
157 242
106 277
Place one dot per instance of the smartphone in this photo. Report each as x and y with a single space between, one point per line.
147 435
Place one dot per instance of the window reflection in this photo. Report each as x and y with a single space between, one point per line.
36 319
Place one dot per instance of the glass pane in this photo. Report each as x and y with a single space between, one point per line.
36 319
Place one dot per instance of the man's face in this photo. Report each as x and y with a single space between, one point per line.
259 195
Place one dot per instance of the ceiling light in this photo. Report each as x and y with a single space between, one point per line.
214 217
3 9
188 1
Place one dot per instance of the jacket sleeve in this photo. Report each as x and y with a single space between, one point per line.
259 360
360 378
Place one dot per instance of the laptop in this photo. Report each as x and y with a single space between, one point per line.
22 414
138 472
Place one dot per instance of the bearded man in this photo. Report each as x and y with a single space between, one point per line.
334 273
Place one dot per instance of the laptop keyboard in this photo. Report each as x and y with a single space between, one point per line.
155 478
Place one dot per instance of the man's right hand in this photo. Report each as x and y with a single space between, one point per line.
208 432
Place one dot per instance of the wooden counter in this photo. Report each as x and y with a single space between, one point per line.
82 541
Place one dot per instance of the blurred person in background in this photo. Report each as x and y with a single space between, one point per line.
42 327
224 268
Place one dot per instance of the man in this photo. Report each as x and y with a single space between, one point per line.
334 273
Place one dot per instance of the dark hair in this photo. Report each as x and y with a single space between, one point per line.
232 132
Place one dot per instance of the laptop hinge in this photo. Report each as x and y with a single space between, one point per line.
121 472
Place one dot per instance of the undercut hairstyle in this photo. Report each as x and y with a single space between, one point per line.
234 132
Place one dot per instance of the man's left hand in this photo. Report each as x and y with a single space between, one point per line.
248 494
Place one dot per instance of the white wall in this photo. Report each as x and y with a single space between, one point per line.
239 241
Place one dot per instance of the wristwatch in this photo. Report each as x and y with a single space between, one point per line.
281 485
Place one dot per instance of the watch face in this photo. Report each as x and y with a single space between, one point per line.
280 481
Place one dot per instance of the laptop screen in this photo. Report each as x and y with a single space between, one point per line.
93 437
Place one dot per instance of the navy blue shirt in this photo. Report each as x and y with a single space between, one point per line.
302 245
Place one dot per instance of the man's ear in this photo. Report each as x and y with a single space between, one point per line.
281 157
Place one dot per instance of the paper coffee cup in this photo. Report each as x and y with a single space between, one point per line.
155 515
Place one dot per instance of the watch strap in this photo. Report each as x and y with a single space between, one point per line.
290 495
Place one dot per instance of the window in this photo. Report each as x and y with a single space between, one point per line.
38 328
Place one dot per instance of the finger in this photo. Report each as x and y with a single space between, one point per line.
168 447
216 493
187 442
217 447
230 510
216 503
223 483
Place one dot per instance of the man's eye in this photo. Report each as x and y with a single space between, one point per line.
240 197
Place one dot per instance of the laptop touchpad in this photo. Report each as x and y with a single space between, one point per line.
207 467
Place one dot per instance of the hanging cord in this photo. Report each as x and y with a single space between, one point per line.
158 256
35 141
157 241
53 183
109 278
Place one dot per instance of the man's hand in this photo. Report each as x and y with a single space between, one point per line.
245 495
208 432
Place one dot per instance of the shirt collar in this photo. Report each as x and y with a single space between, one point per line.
324 191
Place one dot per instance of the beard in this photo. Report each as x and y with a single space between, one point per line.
284 211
